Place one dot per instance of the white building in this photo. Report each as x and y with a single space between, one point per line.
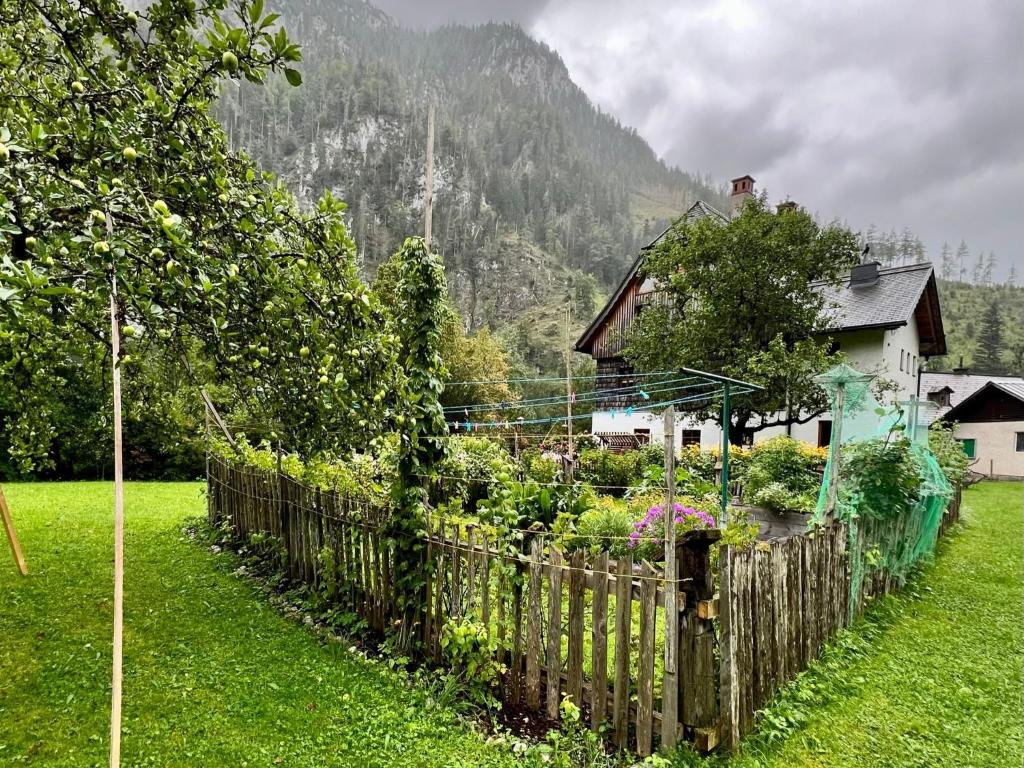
886 321
989 414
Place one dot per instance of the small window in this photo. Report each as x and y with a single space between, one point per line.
901 359
914 369
643 436
824 433
691 437
1020 442
969 445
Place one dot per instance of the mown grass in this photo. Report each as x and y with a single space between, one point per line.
933 677
214 676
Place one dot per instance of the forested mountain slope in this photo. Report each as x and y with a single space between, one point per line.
539 196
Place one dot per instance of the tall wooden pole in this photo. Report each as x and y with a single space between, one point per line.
568 393
115 700
428 202
12 536
670 681
836 447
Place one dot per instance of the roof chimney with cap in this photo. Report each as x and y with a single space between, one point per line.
864 275
742 190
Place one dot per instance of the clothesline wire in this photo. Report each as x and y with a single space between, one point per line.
561 399
532 379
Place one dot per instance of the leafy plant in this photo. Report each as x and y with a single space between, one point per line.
470 652
948 452
781 475
881 476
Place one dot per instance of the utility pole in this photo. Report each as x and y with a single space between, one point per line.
428 201
568 393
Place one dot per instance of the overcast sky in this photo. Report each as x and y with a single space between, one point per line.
891 112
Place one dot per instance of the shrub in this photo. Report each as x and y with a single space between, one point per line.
470 651
881 477
606 526
948 452
613 472
780 475
470 468
538 467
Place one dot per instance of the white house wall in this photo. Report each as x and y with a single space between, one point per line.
995 447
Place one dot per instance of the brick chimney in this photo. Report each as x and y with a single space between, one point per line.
742 190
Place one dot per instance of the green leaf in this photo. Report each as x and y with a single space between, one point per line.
294 77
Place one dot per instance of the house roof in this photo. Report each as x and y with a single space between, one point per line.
1014 388
962 385
695 212
899 295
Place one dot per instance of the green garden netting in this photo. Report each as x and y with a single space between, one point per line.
890 528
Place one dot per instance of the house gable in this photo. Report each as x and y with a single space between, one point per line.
996 401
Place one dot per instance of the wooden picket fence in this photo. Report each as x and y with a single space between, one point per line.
575 623
782 600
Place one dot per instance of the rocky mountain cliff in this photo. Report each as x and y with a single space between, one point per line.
539 196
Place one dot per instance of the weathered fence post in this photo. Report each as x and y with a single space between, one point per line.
697 699
729 693
670 675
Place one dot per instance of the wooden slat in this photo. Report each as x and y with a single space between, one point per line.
744 578
502 621
728 616
517 641
574 669
439 578
533 618
485 584
457 603
599 643
623 643
645 674
553 658
471 585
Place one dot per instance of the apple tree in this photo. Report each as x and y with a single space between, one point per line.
113 172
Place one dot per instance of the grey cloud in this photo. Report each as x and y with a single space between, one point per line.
898 114
428 15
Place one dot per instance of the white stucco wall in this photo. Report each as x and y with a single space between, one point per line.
995 447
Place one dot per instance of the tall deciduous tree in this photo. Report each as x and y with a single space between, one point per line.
112 168
740 303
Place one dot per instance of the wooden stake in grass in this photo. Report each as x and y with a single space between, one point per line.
12 536
115 700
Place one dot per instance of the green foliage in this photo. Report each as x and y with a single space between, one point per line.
967 312
612 472
741 303
420 299
575 746
606 526
782 475
949 452
538 467
470 652
471 466
881 476
117 169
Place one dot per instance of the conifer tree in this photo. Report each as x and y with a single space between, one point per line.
990 341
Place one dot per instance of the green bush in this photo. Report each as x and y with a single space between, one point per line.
470 468
470 651
606 526
780 474
610 471
948 452
537 467
881 477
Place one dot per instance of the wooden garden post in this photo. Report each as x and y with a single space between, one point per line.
670 674
12 536
835 441
115 699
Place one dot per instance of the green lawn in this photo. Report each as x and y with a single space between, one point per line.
932 678
213 675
